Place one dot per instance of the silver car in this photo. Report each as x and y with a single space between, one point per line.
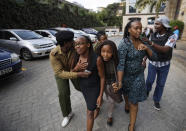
26 43
47 33
76 34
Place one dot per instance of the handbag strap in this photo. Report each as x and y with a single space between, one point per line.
115 73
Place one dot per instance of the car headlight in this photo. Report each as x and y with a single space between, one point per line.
37 46
14 57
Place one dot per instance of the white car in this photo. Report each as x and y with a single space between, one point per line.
47 33
76 34
92 36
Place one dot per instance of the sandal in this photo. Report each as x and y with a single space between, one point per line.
127 110
109 121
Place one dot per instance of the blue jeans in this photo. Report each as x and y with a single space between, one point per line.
161 73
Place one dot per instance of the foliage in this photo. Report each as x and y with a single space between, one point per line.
33 15
179 23
108 15
124 9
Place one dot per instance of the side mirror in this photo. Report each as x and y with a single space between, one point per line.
13 38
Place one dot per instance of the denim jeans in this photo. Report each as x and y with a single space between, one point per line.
162 73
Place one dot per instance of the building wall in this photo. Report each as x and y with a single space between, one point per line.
144 19
182 17
132 3
170 10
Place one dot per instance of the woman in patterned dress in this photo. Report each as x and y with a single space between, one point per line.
131 52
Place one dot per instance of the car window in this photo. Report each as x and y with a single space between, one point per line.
53 32
27 35
8 35
38 32
44 34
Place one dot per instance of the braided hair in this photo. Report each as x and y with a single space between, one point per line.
114 50
126 31
99 34
91 51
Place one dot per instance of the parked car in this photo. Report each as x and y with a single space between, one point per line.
26 43
92 36
48 34
90 31
76 34
9 63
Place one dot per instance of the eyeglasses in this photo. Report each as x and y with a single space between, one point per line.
79 44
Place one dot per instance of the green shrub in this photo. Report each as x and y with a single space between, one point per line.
179 23
32 15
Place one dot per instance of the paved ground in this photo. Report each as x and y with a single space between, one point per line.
29 102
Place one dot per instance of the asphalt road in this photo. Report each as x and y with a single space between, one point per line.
29 102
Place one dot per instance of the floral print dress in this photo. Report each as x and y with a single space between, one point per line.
130 62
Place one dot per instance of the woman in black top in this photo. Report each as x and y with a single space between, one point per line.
93 86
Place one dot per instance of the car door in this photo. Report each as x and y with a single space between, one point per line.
11 44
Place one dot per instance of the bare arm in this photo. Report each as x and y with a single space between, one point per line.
120 75
101 73
162 49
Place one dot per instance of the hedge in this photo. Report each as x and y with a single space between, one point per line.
180 25
33 15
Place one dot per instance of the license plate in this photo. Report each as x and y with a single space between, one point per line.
47 52
5 71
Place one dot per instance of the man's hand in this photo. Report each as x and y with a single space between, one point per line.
144 61
146 40
83 74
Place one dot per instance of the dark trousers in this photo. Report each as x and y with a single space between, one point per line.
64 94
161 73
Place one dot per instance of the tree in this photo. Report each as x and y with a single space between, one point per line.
154 4
109 15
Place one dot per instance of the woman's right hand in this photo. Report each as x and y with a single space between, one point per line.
81 66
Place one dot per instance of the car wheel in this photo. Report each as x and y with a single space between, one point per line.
26 54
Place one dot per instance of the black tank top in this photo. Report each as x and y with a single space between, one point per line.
93 81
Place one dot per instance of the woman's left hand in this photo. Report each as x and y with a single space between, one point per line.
142 47
99 101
